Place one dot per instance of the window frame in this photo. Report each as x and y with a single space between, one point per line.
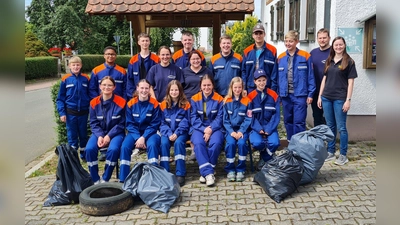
370 31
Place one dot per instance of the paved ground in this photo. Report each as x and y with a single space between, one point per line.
339 195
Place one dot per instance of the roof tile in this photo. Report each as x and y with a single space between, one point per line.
186 6
117 2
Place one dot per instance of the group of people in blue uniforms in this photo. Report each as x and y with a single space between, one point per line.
165 100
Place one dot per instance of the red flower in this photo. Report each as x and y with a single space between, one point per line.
54 50
66 49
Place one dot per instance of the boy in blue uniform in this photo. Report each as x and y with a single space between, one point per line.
236 122
140 64
259 55
266 115
296 84
225 65
181 57
73 104
108 68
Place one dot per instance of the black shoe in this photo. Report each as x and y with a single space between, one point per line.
102 157
260 165
181 180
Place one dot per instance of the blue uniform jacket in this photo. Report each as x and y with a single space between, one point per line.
236 115
143 118
181 59
214 112
174 120
116 72
303 74
73 93
107 117
267 62
224 69
134 71
265 112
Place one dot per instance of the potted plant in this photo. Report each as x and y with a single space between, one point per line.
67 51
55 51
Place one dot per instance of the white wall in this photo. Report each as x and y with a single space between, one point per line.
344 13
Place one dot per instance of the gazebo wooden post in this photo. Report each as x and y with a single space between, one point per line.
216 32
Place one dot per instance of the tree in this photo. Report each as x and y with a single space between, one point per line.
33 46
160 36
241 33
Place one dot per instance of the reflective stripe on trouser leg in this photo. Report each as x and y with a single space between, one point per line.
125 156
230 152
112 156
91 153
153 148
165 152
243 150
201 151
180 154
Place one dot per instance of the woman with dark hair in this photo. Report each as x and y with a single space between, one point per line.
335 96
161 74
192 75
206 120
107 121
175 128
143 119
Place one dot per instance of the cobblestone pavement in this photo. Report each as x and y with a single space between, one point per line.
339 195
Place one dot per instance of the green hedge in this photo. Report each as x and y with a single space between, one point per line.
91 61
40 67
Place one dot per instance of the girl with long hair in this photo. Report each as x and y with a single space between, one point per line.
335 96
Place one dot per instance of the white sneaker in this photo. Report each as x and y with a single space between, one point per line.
202 179
210 180
103 181
97 182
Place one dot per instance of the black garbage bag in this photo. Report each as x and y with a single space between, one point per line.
156 187
70 173
310 148
280 176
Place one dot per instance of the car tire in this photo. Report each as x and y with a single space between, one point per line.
105 199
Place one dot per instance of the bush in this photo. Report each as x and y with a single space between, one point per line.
61 128
40 67
91 61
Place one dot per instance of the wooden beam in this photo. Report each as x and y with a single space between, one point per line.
138 25
216 33
179 23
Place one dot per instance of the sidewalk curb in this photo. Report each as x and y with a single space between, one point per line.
40 164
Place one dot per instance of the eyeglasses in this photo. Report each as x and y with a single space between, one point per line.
110 54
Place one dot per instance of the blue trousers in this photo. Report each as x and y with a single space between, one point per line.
267 146
336 121
179 153
294 114
230 152
112 155
77 130
153 152
207 153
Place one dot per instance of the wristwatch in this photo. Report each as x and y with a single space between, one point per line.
349 99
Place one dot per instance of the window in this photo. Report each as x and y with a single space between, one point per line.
280 10
370 44
294 15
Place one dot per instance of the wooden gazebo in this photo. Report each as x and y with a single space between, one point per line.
174 13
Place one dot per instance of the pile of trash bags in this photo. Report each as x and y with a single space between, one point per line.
155 186
71 178
297 165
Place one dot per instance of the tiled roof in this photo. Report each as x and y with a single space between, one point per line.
168 6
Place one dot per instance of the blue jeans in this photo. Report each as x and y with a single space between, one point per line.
336 121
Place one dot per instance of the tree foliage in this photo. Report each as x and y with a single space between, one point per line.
241 33
33 46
